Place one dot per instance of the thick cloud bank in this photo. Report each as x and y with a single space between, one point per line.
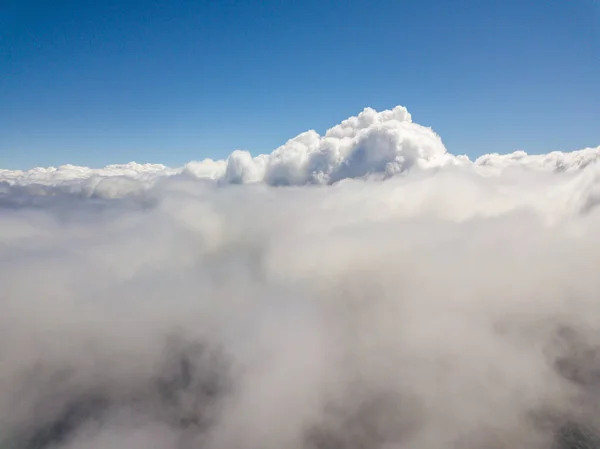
372 145
391 296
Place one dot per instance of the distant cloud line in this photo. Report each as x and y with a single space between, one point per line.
373 144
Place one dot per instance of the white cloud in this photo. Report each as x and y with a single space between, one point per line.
555 161
452 305
370 145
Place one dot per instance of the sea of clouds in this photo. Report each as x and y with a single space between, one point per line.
363 289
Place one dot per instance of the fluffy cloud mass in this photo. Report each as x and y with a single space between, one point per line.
372 145
361 289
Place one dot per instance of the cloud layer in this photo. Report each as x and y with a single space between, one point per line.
391 296
374 145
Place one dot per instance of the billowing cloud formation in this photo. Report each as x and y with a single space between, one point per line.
453 304
371 145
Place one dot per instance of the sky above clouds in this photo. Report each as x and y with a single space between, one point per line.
95 83
309 225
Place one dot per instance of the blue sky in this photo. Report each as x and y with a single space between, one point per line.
99 82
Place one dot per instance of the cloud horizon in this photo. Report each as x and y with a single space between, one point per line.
372 144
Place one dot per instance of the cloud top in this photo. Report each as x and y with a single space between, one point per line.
372 144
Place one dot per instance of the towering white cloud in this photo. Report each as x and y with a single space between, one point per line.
372 144
452 304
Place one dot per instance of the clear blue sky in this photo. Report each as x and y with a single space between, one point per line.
98 82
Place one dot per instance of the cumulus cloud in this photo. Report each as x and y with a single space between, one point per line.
372 145
391 295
